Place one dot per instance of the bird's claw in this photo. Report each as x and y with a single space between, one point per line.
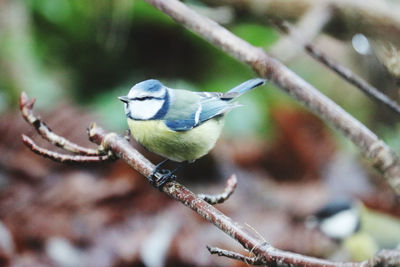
160 177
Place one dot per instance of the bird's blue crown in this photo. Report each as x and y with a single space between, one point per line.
150 85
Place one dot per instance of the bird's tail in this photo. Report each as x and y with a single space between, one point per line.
243 88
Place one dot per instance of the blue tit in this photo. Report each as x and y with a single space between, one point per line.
338 219
361 232
177 124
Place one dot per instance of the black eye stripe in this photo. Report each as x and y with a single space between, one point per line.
146 98
142 98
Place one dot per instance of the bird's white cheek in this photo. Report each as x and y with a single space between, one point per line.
144 110
340 225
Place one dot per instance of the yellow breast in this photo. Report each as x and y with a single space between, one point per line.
177 146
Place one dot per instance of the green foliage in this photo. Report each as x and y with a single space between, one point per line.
111 109
256 34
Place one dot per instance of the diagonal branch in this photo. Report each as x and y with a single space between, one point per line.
383 158
352 78
122 149
264 253
296 37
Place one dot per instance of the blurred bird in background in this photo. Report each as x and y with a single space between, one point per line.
360 231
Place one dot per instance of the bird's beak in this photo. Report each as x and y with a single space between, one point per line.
124 99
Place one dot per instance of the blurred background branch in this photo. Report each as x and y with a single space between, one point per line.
375 19
295 40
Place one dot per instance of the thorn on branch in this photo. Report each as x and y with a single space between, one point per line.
230 187
26 106
236 256
59 157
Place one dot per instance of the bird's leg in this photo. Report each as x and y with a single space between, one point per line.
158 167
159 177
127 135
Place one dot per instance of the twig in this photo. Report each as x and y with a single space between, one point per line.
26 107
342 71
235 256
384 159
230 187
352 78
65 158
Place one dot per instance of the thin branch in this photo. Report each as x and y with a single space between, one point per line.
26 106
230 187
383 158
352 78
235 256
59 157
342 71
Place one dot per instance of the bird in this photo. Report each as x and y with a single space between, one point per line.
359 231
177 124
337 219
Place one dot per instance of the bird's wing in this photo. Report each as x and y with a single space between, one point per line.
236 91
181 115
196 110
191 109
213 107
208 95
180 125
